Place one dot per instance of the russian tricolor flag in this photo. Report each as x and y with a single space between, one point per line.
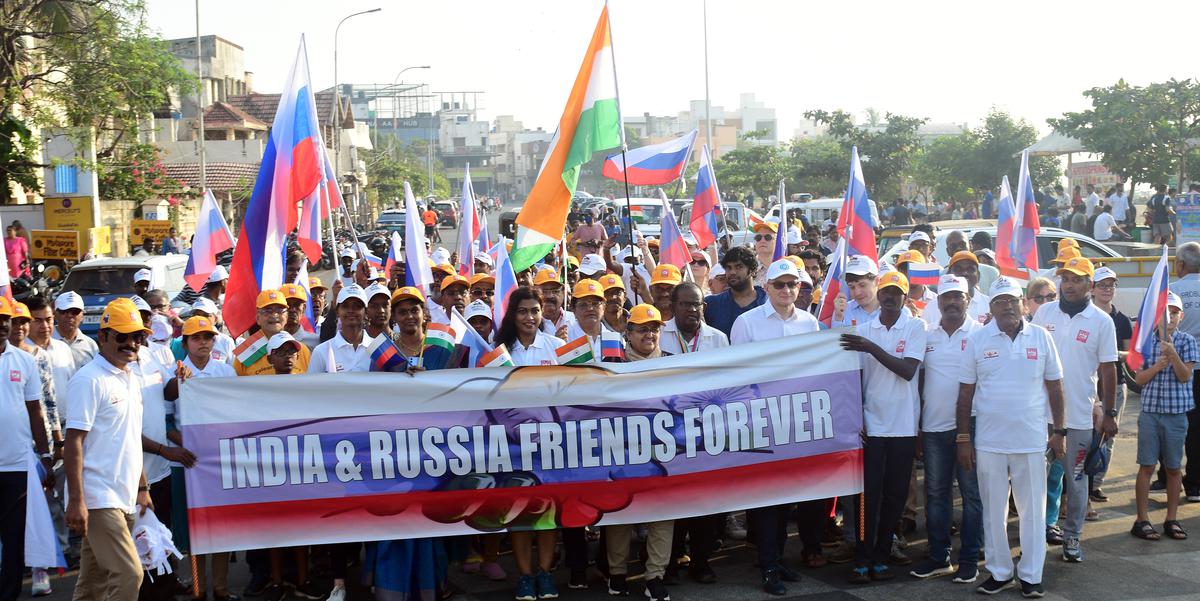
1154 305
292 168
1004 231
1025 222
308 321
506 284
925 274
672 249
212 238
468 227
652 165
854 219
395 253
832 286
706 205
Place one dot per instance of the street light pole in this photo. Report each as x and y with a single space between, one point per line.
337 100
395 103
200 100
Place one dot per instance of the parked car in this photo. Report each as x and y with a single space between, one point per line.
100 281
447 211
736 226
391 220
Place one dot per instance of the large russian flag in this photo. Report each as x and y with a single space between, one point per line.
672 249
832 286
1004 232
1153 306
1025 221
506 284
652 165
706 203
212 238
468 227
854 219
291 169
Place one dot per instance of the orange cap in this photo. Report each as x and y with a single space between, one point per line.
21 310
6 306
666 274
894 279
455 279
1078 266
766 225
963 255
609 281
195 325
291 291
912 256
314 283
123 316
586 287
1066 253
1067 243
546 275
480 278
267 298
644 313
408 293
445 268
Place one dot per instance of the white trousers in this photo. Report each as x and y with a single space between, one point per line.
1027 474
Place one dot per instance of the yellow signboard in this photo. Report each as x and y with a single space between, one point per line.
101 240
68 213
156 230
58 245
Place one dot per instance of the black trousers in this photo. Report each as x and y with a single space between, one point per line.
12 533
768 532
575 545
811 519
1191 449
696 537
887 467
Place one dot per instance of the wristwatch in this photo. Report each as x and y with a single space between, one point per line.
1060 431
1111 412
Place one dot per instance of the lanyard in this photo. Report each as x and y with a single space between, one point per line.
683 343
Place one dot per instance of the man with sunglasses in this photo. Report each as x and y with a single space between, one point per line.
764 248
556 321
483 288
862 285
270 317
68 316
103 457
775 319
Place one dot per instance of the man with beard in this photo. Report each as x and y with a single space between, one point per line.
721 310
453 295
556 321
663 280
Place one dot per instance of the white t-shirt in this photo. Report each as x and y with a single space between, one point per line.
82 347
62 363
1083 342
345 355
1102 230
154 375
22 383
1092 203
541 352
106 402
672 341
891 405
1010 387
978 309
1120 205
764 323
944 355
565 318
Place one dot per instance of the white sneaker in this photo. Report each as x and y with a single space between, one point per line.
41 583
337 594
734 528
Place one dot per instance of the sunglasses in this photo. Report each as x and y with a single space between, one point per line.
781 285
121 338
761 237
699 264
1044 298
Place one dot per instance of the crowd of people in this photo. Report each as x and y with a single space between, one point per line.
1012 391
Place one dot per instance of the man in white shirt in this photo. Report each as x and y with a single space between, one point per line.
1011 379
861 283
1093 201
22 428
556 321
348 349
965 265
1106 224
103 455
893 346
945 350
777 318
68 316
1087 345
1119 203
686 332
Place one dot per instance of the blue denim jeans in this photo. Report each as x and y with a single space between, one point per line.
941 470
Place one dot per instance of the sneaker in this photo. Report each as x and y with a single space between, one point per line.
308 590
492 571
881 572
844 554
337 594
1072 552
525 589
1192 495
897 557
1032 591
930 568
991 586
772 583
274 592
545 585
734 527
859 575
578 579
617 587
1054 535
1097 496
256 587
966 574
656 590
41 583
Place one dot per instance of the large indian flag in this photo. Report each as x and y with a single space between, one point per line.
590 122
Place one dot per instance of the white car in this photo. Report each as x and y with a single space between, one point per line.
101 281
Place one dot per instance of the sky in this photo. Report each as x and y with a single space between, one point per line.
946 61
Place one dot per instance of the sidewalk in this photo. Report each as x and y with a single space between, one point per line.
1117 566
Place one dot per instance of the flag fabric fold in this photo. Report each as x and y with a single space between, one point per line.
1154 304
506 283
575 352
653 164
308 320
706 203
253 348
212 238
1004 231
591 121
832 286
781 232
671 247
395 254
612 345
1025 222
925 274
498 357
417 270
386 356
439 345
468 226
854 218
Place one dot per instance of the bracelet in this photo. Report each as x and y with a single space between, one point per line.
159 452
1059 431
143 489
962 437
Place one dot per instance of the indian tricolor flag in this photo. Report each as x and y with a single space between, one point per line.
253 348
439 345
590 122
576 352
498 357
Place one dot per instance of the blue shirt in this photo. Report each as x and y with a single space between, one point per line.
1165 393
986 209
720 310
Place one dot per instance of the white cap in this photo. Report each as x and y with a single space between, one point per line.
861 265
918 235
439 256
142 275
1173 300
352 291
1104 273
140 303
781 268
205 304
281 339
592 265
484 258
478 308
374 274
218 274
986 252
1004 286
376 288
160 328
68 300
951 283
715 271
793 235
349 252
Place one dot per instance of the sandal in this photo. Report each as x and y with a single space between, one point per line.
1174 530
1143 530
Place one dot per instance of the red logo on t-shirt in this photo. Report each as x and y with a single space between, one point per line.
14 375
964 344
900 347
1031 353
1049 327
990 354
1082 336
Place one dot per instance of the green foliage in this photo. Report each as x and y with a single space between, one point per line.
135 172
885 153
820 166
752 168
18 157
388 168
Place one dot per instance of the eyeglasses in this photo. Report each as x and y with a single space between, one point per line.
1044 298
587 304
122 338
273 310
778 285
646 330
761 237
1106 286
483 292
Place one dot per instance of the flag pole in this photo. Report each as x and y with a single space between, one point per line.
621 125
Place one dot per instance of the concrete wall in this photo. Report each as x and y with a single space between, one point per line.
215 151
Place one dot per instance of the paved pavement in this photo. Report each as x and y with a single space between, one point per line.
1117 567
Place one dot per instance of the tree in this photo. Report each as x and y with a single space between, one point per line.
820 166
389 167
884 153
752 167
1145 134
